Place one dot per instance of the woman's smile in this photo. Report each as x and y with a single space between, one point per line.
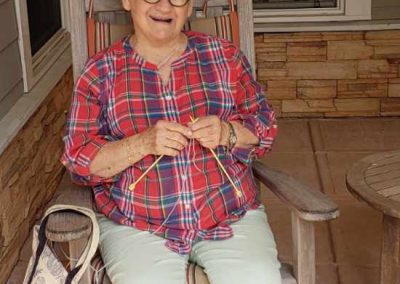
157 21
161 19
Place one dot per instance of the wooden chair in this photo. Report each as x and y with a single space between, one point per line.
306 205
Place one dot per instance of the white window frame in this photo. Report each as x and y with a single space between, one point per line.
34 67
347 10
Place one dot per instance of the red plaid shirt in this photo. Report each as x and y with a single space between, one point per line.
186 198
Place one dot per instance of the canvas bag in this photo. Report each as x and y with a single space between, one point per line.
224 26
44 267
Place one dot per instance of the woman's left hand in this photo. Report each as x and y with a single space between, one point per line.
209 131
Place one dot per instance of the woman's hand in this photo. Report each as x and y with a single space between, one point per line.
166 138
210 131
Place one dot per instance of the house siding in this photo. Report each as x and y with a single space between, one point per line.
385 9
10 62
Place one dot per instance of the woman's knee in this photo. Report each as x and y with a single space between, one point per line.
132 256
156 275
250 272
140 267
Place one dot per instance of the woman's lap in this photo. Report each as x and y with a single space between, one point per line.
250 256
134 256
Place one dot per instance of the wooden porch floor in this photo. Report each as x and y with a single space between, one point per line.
319 152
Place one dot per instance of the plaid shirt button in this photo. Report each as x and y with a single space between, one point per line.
168 97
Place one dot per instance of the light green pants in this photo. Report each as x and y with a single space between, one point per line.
132 256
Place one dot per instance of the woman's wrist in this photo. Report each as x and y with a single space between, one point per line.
224 139
245 138
232 140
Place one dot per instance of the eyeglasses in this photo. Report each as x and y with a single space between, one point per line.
175 3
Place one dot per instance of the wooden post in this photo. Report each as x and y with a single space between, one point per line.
390 255
246 23
303 250
78 36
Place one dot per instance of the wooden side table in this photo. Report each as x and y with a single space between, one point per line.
375 179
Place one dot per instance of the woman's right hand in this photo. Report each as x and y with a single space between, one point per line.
166 138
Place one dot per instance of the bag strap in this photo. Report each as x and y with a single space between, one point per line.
83 263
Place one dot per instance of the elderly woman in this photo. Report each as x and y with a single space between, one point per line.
178 98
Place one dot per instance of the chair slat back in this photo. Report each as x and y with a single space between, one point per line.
78 29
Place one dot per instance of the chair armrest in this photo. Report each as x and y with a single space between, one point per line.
69 226
309 205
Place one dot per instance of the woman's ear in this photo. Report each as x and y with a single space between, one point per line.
126 4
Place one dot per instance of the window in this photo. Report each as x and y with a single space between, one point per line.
43 36
267 11
44 18
294 4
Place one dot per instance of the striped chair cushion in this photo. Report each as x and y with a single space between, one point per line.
225 26
104 28
220 26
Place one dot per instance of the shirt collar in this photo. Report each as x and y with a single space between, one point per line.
142 62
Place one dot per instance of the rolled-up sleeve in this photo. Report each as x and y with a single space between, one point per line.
86 130
253 112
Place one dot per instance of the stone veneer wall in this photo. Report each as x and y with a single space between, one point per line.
30 172
331 74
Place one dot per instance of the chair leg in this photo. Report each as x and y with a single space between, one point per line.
390 255
76 248
303 250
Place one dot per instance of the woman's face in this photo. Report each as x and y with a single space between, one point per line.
160 22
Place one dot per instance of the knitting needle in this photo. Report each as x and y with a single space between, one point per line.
133 185
238 192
